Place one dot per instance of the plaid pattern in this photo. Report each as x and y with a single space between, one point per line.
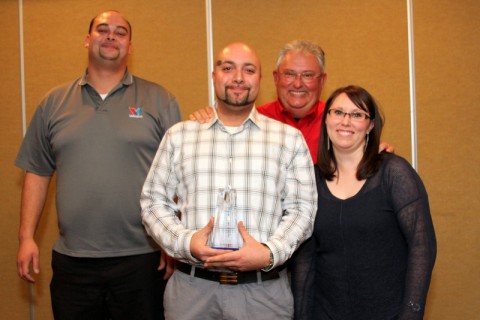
265 161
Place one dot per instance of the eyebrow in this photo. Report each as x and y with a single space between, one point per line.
246 64
107 25
303 71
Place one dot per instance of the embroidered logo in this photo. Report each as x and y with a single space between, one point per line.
135 113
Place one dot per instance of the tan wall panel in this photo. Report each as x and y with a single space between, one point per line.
365 43
170 48
447 41
168 44
13 293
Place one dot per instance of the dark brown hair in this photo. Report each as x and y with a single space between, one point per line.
370 163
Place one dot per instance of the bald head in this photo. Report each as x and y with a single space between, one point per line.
237 75
239 50
115 12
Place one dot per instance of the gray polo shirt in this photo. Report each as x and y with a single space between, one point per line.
102 151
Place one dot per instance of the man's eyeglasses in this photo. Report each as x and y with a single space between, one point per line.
354 116
306 77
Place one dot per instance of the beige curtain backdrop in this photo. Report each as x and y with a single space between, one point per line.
365 43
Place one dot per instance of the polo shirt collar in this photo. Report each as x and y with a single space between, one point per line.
126 80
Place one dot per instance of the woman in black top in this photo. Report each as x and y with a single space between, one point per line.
373 248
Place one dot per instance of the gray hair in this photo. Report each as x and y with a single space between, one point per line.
303 46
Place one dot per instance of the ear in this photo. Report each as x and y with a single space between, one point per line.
86 43
323 80
370 127
130 48
275 76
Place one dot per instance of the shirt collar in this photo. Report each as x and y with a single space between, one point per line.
126 80
254 118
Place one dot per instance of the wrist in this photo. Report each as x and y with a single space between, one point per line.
25 237
271 260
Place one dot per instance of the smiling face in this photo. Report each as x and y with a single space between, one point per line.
109 39
295 94
344 133
236 77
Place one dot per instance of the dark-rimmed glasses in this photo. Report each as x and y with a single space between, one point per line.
338 114
306 77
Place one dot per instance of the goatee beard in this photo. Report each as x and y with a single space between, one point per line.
238 103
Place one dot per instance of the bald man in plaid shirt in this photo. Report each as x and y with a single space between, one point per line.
266 166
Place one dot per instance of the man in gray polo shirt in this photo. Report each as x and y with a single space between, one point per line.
100 134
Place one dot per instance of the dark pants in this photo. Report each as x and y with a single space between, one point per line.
107 288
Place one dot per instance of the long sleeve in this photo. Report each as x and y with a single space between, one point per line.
410 202
302 267
159 209
299 205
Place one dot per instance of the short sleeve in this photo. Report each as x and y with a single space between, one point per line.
35 154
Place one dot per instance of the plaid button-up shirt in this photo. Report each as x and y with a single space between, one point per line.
265 161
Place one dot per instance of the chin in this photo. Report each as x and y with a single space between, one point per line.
296 104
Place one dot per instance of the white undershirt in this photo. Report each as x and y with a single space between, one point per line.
231 129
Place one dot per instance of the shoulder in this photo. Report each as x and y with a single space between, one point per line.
150 86
268 109
401 183
397 171
278 125
394 163
61 92
283 134
186 133
187 126
61 89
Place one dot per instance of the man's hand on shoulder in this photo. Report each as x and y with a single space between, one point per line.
384 146
202 115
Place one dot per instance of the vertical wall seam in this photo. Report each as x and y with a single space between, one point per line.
208 16
24 122
22 67
411 64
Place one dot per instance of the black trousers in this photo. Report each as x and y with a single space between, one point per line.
107 288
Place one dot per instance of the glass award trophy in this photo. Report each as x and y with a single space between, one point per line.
225 233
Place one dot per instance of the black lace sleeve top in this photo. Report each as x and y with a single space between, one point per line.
371 256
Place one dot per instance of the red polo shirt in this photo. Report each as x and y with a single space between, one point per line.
308 125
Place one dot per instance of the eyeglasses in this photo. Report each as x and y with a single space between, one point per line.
354 116
306 77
